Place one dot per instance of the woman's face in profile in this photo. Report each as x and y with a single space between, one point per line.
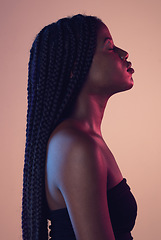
110 72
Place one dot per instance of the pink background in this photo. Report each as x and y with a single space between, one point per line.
131 125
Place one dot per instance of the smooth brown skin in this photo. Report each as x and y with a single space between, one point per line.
79 165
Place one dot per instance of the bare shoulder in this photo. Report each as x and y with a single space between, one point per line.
81 177
82 155
70 144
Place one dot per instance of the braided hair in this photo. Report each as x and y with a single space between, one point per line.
69 42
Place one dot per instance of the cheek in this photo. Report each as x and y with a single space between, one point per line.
117 71
120 79
107 73
96 72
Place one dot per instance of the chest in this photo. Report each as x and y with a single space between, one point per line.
114 175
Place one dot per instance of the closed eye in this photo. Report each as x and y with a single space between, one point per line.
113 48
109 44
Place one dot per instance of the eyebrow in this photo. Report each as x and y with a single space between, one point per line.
108 38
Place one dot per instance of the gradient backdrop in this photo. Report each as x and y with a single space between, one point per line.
131 125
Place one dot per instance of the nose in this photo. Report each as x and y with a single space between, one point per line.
122 54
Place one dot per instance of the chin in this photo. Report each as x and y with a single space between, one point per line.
124 87
130 84
127 85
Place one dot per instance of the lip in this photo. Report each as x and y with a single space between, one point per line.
129 64
129 68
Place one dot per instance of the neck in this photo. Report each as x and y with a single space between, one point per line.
88 111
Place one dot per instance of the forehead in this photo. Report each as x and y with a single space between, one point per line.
103 32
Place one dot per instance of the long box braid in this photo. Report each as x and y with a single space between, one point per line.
69 44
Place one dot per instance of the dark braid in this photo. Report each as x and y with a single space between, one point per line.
69 44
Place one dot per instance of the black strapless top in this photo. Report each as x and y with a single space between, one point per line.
122 209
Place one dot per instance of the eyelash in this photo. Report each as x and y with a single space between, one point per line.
110 49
